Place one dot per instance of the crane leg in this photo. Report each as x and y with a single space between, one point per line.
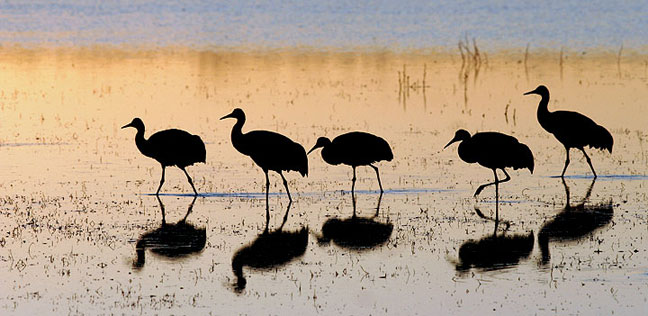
285 218
589 161
189 210
567 204
286 185
161 181
483 186
378 176
497 196
162 209
190 181
505 179
378 206
353 180
267 204
566 163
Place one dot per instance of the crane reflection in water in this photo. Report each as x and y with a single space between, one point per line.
573 223
172 241
269 250
356 233
494 252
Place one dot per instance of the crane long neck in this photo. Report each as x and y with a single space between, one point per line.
141 142
543 111
328 154
237 131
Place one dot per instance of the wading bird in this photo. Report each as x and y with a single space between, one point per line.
355 149
572 129
494 151
269 150
170 147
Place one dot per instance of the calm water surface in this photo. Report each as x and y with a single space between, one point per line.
81 233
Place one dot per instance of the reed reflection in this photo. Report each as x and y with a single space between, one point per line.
357 233
269 250
574 222
172 241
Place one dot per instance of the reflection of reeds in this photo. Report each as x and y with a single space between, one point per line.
619 60
526 57
506 118
404 86
561 62
471 63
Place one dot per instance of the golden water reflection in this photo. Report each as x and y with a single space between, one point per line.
74 188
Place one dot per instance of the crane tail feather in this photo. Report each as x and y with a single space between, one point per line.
601 139
524 158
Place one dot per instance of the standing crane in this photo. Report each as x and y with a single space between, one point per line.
494 151
573 130
269 150
172 147
355 149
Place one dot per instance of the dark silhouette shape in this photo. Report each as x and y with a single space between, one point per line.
269 150
269 250
355 149
496 219
495 151
572 129
574 222
171 240
495 251
171 147
356 233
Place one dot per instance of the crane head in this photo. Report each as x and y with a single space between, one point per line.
136 122
460 135
321 142
540 90
236 113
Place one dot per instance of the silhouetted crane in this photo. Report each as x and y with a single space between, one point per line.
170 147
355 149
269 150
495 151
572 129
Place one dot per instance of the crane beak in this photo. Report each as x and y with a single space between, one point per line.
451 142
227 116
127 125
314 147
531 92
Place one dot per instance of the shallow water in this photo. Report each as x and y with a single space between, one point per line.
77 201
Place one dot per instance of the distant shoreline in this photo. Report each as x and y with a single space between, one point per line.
299 50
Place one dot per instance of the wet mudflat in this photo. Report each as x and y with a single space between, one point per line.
80 232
